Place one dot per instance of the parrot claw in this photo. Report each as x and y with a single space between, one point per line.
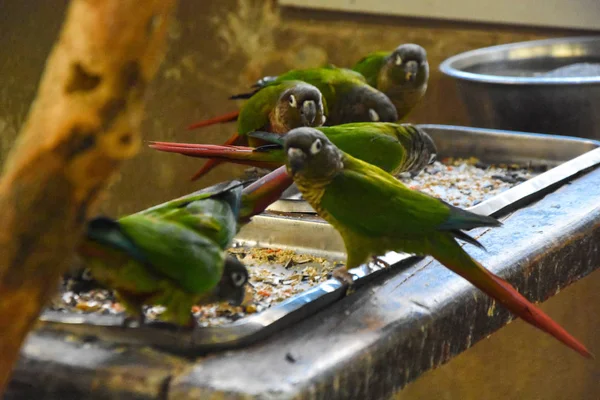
138 320
193 322
380 262
342 275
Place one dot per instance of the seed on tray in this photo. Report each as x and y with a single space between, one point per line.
250 309
465 182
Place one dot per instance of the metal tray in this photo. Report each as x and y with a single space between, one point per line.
305 232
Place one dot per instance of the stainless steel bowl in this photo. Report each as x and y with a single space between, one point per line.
509 86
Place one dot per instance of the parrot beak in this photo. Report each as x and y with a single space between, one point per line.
296 159
231 295
309 112
430 147
238 296
411 68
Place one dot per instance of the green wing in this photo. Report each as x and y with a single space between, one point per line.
375 143
368 200
181 239
211 212
328 75
193 261
254 115
220 189
212 218
382 144
370 66
330 81
106 232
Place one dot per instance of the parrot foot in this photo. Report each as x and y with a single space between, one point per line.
380 262
192 323
140 320
342 275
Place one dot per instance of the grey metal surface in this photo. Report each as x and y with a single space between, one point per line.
319 238
510 87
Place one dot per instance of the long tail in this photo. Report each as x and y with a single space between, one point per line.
235 139
450 254
234 154
260 194
229 117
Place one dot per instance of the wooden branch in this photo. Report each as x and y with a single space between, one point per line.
84 122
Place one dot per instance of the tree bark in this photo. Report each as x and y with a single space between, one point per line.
83 123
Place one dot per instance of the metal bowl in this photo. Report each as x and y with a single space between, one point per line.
517 87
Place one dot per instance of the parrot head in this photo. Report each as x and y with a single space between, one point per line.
407 65
232 286
311 155
300 105
362 103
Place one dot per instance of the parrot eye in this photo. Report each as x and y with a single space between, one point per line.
293 102
86 275
373 115
316 147
238 279
398 60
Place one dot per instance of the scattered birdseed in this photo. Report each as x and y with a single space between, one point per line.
467 182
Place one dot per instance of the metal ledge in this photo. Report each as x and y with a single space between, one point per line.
373 342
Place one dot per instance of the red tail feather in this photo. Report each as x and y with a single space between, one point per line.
199 150
508 296
233 154
229 117
260 194
536 317
210 164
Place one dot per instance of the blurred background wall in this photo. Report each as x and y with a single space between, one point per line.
220 47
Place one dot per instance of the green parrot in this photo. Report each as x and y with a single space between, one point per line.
174 254
401 74
392 147
347 96
375 213
276 108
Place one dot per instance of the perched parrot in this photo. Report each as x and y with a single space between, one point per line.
402 75
375 213
392 147
174 254
347 96
277 108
